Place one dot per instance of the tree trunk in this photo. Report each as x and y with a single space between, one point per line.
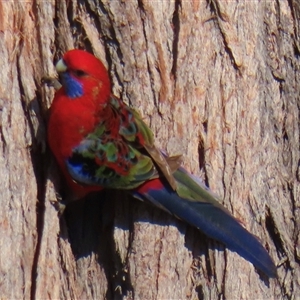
218 82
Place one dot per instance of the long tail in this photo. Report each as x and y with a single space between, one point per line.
194 204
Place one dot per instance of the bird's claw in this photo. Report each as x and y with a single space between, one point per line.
51 82
59 204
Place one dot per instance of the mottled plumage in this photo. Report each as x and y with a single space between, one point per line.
100 142
115 154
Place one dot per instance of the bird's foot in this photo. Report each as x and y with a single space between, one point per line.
51 82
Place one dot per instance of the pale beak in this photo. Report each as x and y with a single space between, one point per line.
61 66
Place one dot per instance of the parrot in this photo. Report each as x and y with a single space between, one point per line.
100 142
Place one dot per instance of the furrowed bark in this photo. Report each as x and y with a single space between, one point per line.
218 82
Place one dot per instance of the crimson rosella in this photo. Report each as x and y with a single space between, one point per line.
100 142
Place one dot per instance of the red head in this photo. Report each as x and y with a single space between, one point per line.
82 74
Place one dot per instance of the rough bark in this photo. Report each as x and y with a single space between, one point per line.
218 82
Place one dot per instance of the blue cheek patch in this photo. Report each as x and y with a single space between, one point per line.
72 86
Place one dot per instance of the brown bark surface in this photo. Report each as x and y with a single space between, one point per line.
217 81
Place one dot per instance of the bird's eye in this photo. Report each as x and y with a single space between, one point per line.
79 73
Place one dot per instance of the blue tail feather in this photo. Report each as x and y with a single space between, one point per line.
216 223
